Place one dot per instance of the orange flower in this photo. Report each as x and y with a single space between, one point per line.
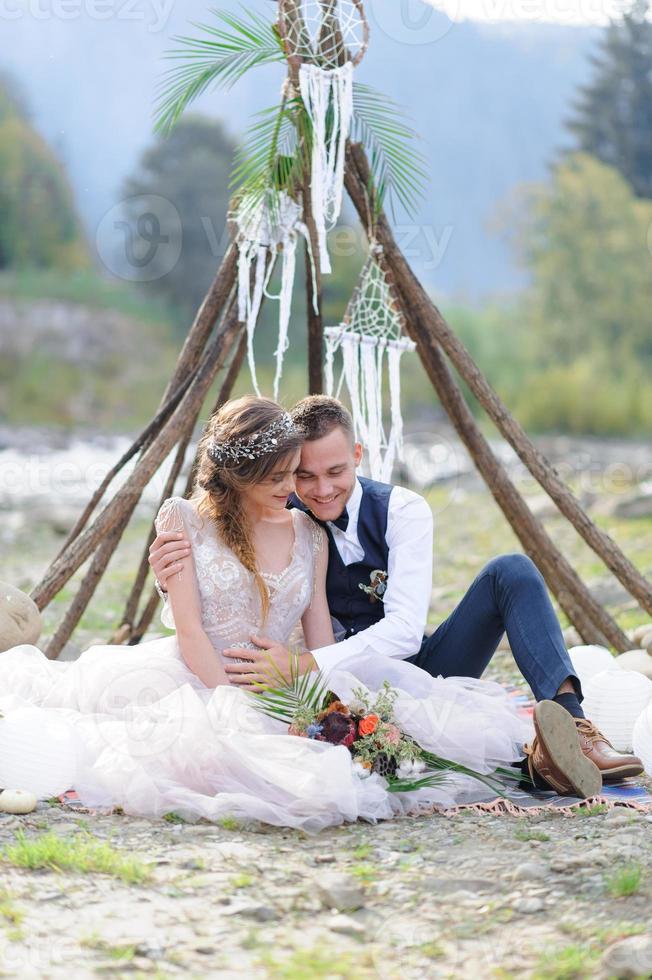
368 724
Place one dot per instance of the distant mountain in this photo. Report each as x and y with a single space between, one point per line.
489 100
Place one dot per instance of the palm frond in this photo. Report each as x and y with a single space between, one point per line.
398 167
222 57
282 698
272 155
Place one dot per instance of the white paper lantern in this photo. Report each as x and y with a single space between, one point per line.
642 738
639 660
37 753
613 700
590 660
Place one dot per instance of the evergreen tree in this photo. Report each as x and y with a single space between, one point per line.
613 119
39 225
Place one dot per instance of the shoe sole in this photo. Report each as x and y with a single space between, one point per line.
621 772
556 729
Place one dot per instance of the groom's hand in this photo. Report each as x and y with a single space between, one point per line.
262 665
166 554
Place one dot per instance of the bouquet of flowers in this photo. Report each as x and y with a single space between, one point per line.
367 728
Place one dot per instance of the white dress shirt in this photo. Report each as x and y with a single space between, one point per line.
409 578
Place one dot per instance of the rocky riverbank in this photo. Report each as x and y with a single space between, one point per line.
548 897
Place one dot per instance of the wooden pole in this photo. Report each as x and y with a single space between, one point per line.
592 622
136 633
128 495
427 320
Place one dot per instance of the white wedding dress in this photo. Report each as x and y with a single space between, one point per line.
150 737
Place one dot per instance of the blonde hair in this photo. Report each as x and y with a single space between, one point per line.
218 486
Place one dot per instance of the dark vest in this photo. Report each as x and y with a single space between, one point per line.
354 609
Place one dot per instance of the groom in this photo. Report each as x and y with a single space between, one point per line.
379 584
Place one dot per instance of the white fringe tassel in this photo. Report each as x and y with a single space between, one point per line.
259 243
321 88
364 361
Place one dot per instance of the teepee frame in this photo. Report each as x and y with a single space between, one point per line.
216 344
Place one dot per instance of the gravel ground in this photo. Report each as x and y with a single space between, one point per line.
465 896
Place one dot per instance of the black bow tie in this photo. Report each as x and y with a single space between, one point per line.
342 521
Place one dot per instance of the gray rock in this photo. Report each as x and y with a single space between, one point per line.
20 619
449 886
631 957
633 506
640 633
340 891
528 906
530 871
345 925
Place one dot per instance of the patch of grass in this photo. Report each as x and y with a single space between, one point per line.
228 823
243 880
592 811
525 833
84 853
569 963
364 871
431 950
624 881
173 818
319 963
9 913
362 851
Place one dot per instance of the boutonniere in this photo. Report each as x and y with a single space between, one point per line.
378 585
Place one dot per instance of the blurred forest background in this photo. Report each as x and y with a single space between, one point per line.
562 329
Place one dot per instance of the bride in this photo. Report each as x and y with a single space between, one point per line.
159 728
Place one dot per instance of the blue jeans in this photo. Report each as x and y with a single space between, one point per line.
508 595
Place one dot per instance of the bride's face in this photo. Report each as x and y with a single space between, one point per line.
326 475
272 493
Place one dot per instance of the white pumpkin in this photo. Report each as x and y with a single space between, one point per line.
613 700
37 753
642 738
590 660
17 801
639 660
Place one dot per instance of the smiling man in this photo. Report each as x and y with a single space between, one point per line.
379 584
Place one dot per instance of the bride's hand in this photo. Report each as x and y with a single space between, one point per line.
166 554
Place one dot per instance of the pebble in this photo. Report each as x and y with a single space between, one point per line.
530 871
527 906
340 891
345 925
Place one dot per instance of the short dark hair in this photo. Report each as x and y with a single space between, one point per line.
318 415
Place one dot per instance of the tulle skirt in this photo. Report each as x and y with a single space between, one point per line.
145 734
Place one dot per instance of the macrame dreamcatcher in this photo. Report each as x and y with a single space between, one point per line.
324 40
263 233
371 333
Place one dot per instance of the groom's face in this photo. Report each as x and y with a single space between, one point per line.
325 478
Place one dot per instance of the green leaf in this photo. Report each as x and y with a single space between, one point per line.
220 58
282 698
398 167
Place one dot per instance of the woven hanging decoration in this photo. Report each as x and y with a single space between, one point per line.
324 40
262 235
371 335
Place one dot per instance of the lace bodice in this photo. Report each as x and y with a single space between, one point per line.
229 597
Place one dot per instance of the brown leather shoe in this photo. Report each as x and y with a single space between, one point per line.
612 764
556 754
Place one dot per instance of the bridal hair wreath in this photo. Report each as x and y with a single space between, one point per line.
269 440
